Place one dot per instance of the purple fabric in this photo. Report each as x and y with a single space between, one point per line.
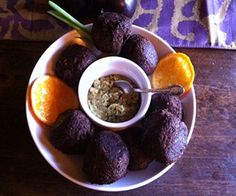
144 20
182 23
148 4
188 9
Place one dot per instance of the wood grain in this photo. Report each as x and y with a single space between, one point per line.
208 166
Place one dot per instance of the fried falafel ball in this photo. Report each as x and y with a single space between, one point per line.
166 101
72 132
106 159
110 31
165 138
72 62
140 50
138 159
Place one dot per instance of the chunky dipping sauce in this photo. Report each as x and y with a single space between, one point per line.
111 104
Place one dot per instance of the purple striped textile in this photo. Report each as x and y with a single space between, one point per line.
182 23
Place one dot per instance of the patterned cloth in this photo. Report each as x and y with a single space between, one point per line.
182 23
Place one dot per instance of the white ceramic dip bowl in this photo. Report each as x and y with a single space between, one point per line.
109 66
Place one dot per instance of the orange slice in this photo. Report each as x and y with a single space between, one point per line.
175 68
50 97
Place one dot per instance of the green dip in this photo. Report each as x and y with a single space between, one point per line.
111 104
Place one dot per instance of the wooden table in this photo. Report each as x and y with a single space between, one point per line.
208 166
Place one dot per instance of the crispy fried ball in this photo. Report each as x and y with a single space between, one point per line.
106 159
110 31
165 138
140 50
138 159
72 132
165 101
72 62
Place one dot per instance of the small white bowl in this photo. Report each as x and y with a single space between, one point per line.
108 66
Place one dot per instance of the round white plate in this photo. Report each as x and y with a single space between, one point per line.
70 165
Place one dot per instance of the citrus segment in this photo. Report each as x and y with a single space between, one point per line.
50 97
175 68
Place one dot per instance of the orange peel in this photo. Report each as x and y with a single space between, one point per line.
49 97
172 69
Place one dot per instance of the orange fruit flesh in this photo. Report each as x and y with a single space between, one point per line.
175 68
50 97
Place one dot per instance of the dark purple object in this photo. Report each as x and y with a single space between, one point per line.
110 30
72 62
138 160
140 50
126 7
71 132
165 138
165 101
106 159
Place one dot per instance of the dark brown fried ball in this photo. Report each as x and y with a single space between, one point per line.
110 31
140 50
165 101
72 132
165 137
72 62
106 159
138 159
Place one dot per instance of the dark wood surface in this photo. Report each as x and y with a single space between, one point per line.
208 166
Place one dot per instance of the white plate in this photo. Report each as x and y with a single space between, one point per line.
70 165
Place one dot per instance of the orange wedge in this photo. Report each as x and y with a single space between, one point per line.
50 97
175 68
